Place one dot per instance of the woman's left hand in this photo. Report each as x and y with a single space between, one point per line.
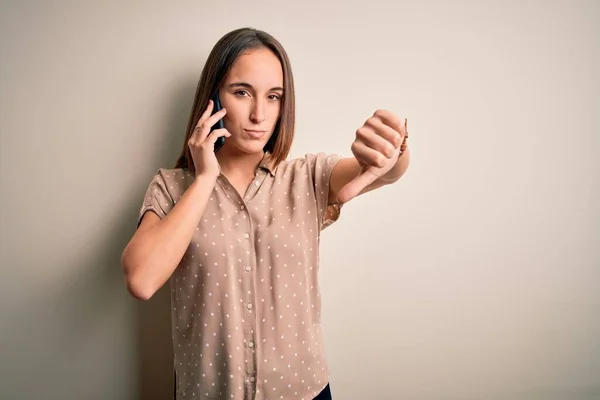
377 146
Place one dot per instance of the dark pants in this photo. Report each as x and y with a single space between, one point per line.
325 394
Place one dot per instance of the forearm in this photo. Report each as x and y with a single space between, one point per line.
154 253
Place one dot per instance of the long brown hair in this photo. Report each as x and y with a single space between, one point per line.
219 63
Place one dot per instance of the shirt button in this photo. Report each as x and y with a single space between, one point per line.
242 207
251 344
252 379
256 183
248 268
249 306
246 235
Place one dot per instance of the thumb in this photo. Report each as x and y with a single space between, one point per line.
356 185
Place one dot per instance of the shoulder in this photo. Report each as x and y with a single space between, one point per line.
173 173
172 182
172 176
312 162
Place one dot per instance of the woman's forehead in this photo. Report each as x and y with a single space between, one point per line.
260 68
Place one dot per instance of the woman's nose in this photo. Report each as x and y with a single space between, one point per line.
257 115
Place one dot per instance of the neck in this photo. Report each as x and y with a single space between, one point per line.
240 164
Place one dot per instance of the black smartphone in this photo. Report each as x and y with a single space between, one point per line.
219 125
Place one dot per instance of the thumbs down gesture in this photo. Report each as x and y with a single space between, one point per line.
377 146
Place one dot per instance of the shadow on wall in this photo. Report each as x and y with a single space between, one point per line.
57 331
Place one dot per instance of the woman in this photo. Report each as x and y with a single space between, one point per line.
236 231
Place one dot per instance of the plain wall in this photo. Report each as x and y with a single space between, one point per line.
476 276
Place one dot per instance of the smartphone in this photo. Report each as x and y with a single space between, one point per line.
219 125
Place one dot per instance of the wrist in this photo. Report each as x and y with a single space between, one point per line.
206 177
399 167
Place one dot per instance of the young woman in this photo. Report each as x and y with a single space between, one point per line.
236 231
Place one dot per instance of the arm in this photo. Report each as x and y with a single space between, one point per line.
347 169
158 246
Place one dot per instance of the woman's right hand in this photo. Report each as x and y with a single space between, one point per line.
202 142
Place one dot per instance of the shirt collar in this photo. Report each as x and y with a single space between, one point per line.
267 163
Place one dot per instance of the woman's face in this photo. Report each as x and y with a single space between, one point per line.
252 95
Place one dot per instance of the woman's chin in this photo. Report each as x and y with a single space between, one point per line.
250 146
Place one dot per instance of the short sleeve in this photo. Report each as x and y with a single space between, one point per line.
321 165
157 197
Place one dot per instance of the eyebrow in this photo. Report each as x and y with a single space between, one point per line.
249 86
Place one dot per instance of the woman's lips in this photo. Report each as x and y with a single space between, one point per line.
255 134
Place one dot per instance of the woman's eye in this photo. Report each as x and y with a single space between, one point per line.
273 97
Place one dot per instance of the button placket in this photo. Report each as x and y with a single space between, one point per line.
247 298
248 293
